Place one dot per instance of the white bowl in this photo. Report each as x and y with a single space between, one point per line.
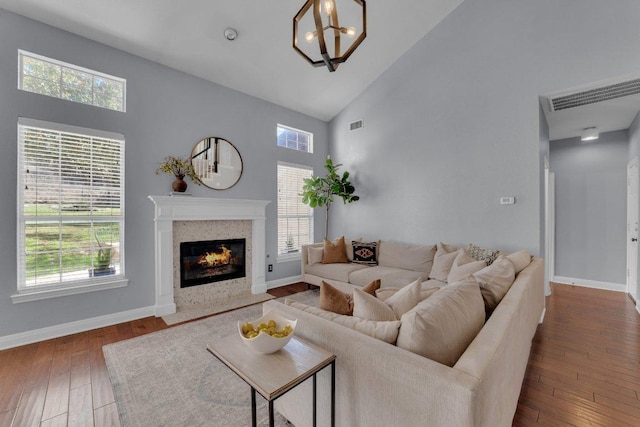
265 343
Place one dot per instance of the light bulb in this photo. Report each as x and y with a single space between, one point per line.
328 7
309 36
351 32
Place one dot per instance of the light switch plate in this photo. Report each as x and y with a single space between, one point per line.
509 200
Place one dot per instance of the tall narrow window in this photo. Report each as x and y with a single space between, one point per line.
58 79
295 219
294 139
70 206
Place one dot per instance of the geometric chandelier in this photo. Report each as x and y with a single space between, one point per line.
320 32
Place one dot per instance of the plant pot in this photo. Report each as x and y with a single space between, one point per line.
179 185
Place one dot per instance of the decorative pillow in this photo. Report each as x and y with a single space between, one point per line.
384 293
385 331
405 299
336 301
442 326
442 262
334 252
369 307
495 280
482 254
314 255
520 260
463 266
365 253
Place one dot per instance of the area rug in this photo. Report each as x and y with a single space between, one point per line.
197 311
168 378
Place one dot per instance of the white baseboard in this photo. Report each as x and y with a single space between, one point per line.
283 282
56 331
618 287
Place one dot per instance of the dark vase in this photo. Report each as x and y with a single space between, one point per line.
179 185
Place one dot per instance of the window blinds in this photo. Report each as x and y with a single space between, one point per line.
295 219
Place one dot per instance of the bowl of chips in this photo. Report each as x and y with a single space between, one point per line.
268 333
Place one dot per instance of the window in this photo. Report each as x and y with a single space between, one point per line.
50 77
295 139
70 207
295 219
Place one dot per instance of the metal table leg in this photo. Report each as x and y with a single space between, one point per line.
271 419
315 417
333 393
254 423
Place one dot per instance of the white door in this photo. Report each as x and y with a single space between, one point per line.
633 181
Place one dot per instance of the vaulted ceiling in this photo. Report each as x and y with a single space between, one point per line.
189 36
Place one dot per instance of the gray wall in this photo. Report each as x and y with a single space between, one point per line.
453 124
167 113
591 207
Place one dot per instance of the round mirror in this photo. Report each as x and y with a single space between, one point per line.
217 163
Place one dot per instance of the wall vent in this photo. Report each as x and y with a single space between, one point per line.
356 125
591 96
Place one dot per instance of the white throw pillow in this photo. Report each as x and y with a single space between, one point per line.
384 293
442 262
366 306
463 266
405 299
495 280
442 326
520 260
314 255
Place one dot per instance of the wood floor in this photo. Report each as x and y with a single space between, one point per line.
584 368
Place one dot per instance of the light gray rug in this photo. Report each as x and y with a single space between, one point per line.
168 378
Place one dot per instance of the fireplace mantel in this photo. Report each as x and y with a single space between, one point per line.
188 208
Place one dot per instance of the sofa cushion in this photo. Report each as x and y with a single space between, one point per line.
520 260
482 254
338 272
365 253
495 280
336 301
348 244
463 266
385 331
407 257
369 307
432 283
442 262
314 255
384 293
442 326
390 276
334 252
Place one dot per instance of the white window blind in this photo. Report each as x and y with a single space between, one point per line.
47 76
70 205
294 139
295 219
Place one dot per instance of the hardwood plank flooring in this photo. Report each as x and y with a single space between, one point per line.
584 368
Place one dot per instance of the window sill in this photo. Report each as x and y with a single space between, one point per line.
36 294
294 256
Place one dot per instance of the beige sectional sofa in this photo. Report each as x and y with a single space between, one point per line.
379 384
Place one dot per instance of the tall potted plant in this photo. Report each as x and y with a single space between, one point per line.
320 191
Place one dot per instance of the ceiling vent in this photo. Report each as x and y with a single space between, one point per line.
356 125
591 96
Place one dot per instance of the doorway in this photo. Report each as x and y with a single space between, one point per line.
633 182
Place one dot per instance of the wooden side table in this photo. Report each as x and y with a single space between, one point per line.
273 375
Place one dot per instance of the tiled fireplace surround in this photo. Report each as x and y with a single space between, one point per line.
186 218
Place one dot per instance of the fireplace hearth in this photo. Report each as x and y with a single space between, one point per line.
211 261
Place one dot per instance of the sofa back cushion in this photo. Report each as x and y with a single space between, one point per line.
405 256
495 280
443 261
442 326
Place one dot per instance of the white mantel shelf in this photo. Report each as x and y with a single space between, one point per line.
189 208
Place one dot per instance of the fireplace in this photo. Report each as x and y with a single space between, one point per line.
211 261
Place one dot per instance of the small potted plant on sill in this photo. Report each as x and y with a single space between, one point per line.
102 260
178 167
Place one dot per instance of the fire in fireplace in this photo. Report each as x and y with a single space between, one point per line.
211 261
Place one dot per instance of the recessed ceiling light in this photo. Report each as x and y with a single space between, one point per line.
590 134
230 34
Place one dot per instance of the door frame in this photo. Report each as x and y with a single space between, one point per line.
635 201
